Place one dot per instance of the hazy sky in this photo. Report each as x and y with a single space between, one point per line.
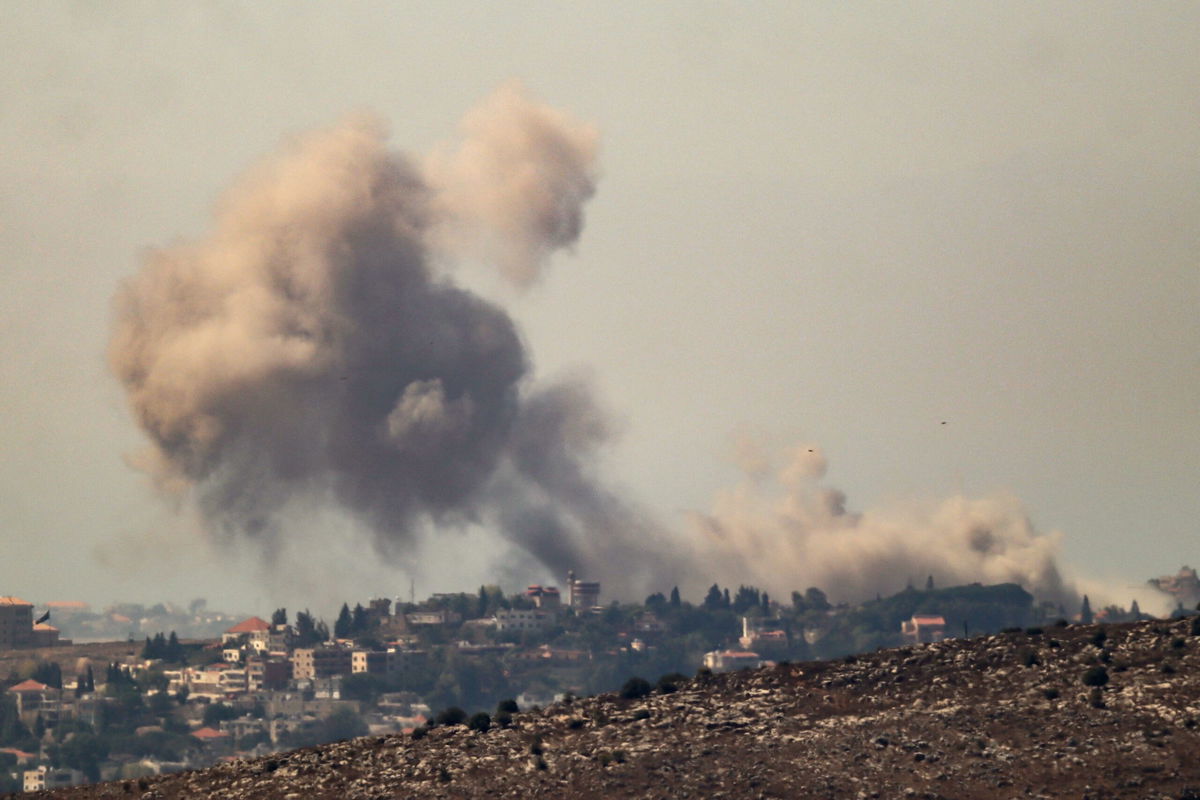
829 223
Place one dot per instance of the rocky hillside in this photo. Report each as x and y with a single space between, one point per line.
1079 711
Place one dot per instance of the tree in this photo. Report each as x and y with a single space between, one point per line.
1085 612
279 617
216 713
361 620
747 597
655 601
344 723
798 603
344 624
929 584
725 601
816 599
675 602
712 600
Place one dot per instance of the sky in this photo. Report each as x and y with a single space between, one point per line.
950 248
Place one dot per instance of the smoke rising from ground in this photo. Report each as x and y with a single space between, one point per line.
305 351
782 529
305 354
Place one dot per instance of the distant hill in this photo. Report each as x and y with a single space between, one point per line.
1078 711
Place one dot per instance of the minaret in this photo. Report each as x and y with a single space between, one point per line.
570 588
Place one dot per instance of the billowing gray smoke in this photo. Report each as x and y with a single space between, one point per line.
782 529
307 349
307 353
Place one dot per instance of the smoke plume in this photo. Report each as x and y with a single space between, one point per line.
305 351
783 530
513 191
305 354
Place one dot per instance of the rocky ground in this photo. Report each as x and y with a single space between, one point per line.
1002 716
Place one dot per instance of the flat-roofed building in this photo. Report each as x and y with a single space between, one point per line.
320 662
16 623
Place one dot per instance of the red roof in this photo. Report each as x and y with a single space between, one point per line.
20 754
14 601
29 686
209 734
927 620
252 625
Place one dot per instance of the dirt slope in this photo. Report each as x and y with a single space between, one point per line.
997 717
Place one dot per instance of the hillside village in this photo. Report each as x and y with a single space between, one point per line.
169 704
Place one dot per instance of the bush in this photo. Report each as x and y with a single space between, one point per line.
419 733
509 706
1050 694
635 688
1096 676
670 682
619 756
452 716
604 757
1097 698
480 721
535 747
1029 657
704 673
641 713
1178 644
1195 626
1034 631
503 719
1062 623
575 724
1099 638
1167 669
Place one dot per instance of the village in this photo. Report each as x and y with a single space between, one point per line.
76 714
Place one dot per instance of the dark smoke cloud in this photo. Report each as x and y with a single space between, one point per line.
305 354
305 349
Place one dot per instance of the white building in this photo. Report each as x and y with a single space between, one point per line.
43 778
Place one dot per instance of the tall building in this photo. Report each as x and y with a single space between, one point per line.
16 623
582 595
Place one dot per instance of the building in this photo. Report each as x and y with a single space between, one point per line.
16 623
270 674
515 619
923 628
546 597
433 616
582 595
372 662
46 635
1184 586
43 778
35 699
728 660
255 631
321 662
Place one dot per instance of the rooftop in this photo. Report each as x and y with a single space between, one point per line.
252 625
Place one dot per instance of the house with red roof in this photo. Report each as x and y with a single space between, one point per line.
256 632
35 698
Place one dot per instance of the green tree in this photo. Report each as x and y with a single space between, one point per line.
712 600
216 713
279 617
675 602
1085 612
815 599
361 620
344 624
344 723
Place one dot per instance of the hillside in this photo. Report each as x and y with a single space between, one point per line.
993 717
